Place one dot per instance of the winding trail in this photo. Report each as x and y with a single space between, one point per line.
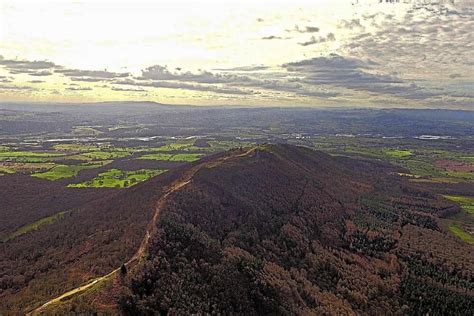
151 227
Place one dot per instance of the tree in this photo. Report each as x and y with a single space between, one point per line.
123 269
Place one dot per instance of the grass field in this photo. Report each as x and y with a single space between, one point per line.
6 170
99 155
395 153
35 225
464 218
79 147
28 156
12 167
115 178
459 232
466 202
86 130
68 171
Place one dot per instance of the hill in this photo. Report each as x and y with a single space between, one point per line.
271 229
279 229
95 233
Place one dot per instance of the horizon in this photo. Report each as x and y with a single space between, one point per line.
232 106
335 54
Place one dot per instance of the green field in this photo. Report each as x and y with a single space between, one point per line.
459 232
79 147
466 202
86 130
35 225
395 153
4 170
184 145
172 157
115 178
68 171
99 155
465 217
28 156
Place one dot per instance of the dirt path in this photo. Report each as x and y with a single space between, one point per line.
151 226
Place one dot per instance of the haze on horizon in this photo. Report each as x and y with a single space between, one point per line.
320 53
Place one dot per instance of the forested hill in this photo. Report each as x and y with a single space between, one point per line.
280 229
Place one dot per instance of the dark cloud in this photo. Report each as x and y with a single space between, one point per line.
333 61
5 79
91 75
182 86
273 37
127 89
42 73
224 83
158 72
305 29
13 87
87 79
197 87
351 24
320 39
36 81
354 74
33 68
244 68
79 88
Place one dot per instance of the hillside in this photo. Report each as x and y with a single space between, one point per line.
98 231
280 229
270 229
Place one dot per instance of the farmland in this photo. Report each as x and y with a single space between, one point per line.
172 157
462 224
59 172
112 152
114 178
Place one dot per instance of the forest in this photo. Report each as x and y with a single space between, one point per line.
286 230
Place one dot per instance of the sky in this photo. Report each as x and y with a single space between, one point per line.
348 53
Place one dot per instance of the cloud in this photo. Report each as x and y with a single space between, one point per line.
355 74
431 43
33 68
305 29
183 86
351 24
36 81
127 89
91 75
244 68
224 83
320 39
197 87
158 72
39 73
13 87
273 37
88 79
79 88
5 79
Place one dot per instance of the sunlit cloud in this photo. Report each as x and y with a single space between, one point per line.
308 53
